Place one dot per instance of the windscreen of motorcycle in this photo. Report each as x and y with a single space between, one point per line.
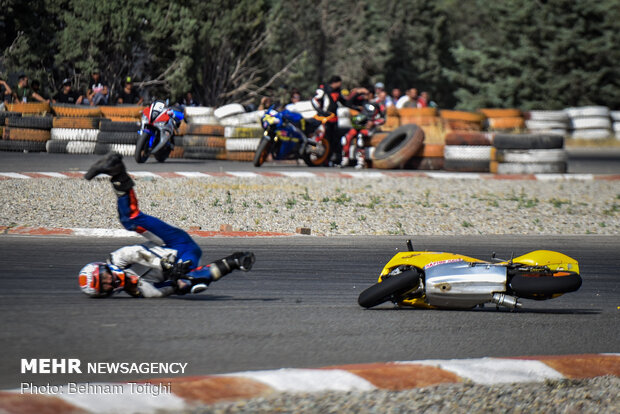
157 108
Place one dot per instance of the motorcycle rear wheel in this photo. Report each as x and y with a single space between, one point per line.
142 151
262 152
391 288
544 285
319 158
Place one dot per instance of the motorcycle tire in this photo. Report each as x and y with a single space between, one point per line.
142 152
398 147
314 160
163 154
544 285
262 152
391 288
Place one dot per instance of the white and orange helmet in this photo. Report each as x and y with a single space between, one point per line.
91 276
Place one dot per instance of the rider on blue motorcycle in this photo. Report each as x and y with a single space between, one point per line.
172 255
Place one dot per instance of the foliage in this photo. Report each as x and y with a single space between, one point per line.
511 53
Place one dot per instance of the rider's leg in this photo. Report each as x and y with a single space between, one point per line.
134 220
202 276
346 146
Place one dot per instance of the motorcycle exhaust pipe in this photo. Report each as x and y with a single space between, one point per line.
501 299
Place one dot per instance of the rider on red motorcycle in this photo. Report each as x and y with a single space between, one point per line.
371 116
172 255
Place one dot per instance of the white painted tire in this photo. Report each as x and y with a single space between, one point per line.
70 134
228 110
246 118
553 116
616 127
615 115
585 111
531 156
537 125
203 120
593 134
591 123
531 168
301 106
467 152
242 144
198 111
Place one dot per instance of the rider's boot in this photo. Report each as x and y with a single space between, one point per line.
236 261
112 164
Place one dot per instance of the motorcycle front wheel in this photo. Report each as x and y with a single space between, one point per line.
262 152
317 156
142 149
390 288
163 154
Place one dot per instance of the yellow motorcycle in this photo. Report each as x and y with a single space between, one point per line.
437 280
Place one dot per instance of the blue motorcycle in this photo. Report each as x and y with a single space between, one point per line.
289 136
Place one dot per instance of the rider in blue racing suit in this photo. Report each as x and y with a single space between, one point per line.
172 255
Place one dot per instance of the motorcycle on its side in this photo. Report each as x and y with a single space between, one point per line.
438 280
287 135
156 135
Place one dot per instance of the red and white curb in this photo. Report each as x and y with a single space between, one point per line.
334 175
185 393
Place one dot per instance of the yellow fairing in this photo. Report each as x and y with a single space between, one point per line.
422 259
553 260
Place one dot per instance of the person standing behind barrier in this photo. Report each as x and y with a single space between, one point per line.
67 95
5 92
98 93
325 102
410 100
23 92
129 95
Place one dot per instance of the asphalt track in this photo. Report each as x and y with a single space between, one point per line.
297 308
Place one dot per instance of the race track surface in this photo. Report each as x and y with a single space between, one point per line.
297 308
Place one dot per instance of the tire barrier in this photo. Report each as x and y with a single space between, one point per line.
469 138
22 146
242 144
467 158
509 120
25 134
201 129
107 125
76 122
615 117
76 111
548 122
590 122
70 147
228 110
242 140
4 115
205 153
122 112
32 122
126 150
115 137
528 154
188 141
251 119
461 120
429 157
398 147
70 134
29 107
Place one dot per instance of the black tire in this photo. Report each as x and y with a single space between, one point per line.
115 137
398 147
5 115
391 288
111 126
543 285
262 152
22 146
163 154
313 159
203 153
528 141
33 122
466 165
142 152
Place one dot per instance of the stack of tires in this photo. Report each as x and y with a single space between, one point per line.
528 154
117 136
234 115
241 142
3 117
547 122
468 151
26 127
503 120
615 117
428 157
392 119
461 120
75 129
122 113
203 141
590 122
304 108
425 118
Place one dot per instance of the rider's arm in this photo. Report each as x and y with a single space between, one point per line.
141 254
317 102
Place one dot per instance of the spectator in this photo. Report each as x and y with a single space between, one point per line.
382 98
391 100
295 97
129 95
5 92
67 95
410 100
23 92
188 100
423 100
265 103
379 87
98 92
325 102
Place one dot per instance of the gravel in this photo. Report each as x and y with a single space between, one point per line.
329 206
597 395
